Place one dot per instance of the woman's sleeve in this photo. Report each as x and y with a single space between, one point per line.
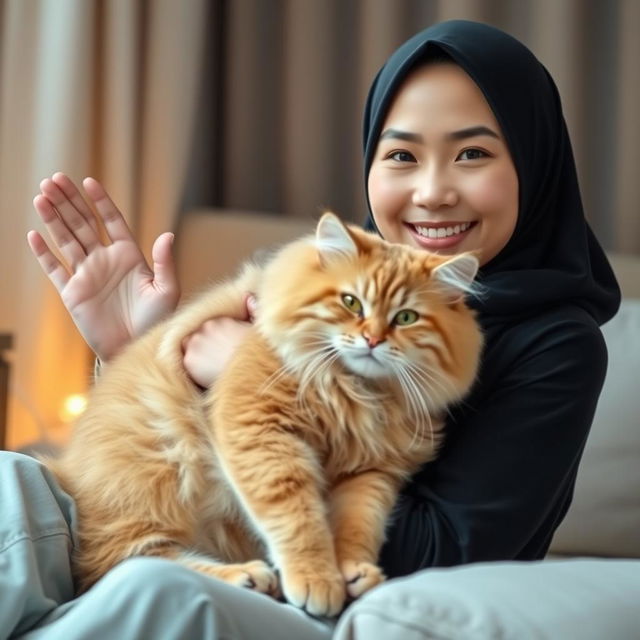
504 479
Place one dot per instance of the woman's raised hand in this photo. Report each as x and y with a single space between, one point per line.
108 288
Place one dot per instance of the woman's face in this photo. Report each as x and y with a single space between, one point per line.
442 177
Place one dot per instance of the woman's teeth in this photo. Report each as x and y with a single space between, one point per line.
442 232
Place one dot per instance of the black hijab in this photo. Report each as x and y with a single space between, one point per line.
553 256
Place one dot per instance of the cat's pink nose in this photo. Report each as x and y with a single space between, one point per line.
372 341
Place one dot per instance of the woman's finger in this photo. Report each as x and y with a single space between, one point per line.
252 306
52 267
63 238
72 193
113 220
72 210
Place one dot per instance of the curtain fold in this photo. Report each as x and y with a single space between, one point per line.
172 70
44 117
624 221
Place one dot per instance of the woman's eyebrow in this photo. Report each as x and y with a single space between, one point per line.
471 132
461 134
396 134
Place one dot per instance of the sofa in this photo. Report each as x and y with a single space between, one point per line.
589 586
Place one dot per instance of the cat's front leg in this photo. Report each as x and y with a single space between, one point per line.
281 493
359 509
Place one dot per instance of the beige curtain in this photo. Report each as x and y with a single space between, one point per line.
252 104
104 88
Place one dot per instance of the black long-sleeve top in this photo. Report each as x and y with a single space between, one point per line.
505 476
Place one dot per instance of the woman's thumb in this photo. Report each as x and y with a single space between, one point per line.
164 268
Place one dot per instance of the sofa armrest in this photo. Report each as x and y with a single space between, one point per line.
604 518
212 243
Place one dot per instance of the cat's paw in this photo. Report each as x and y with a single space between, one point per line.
256 575
318 592
360 576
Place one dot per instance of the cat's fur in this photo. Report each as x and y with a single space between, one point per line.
297 453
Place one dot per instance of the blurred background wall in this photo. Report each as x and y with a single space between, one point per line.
176 104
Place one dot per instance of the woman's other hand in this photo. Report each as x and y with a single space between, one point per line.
109 289
207 350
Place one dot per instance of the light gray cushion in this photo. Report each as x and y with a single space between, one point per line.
604 518
577 599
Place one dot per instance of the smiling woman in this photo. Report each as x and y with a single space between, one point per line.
442 177
483 162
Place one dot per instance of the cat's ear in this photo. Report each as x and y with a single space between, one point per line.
333 238
455 276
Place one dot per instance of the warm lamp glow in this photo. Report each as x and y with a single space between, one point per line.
72 407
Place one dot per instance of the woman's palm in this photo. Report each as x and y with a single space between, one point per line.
112 297
109 290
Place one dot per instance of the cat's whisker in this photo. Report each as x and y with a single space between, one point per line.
318 353
420 430
413 411
433 382
317 364
273 379
433 378
288 369
428 380
314 374
417 405
409 390
430 377
423 383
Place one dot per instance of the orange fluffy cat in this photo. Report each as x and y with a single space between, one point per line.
283 475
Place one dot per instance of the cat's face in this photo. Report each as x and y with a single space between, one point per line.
375 309
377 320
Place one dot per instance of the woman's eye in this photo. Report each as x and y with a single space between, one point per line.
472 154
405 317
352 303
401 156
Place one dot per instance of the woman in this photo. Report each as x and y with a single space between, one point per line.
505 477
465 148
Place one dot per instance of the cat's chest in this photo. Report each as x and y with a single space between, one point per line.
354 432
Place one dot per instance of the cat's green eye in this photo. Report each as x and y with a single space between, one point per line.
405 317
352 303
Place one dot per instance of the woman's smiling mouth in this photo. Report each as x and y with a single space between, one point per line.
439 235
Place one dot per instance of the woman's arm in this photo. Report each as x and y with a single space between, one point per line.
505 477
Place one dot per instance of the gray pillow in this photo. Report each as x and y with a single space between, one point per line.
572 599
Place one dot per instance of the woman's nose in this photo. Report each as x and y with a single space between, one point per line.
434 189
